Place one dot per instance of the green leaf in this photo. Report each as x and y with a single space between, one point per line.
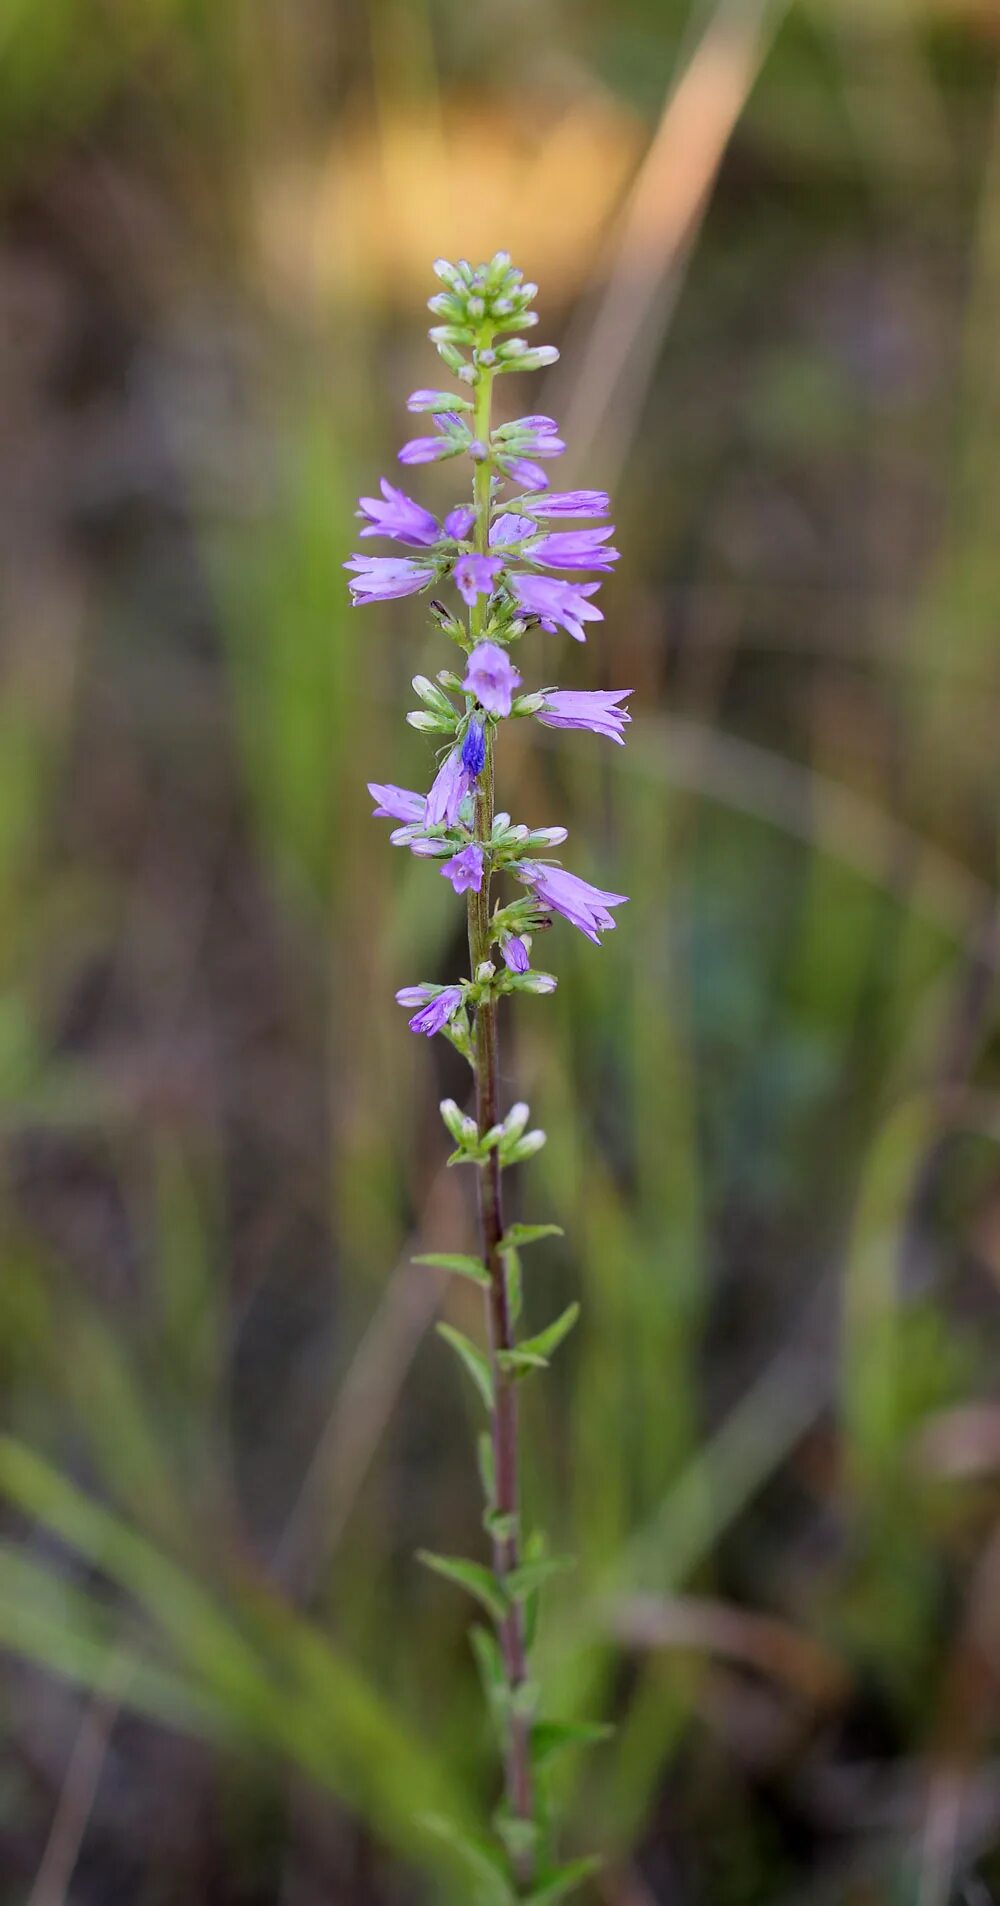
549 1339
518 1234
473 1359
563 1880
549 1738
480 1856
487 1468
489 1661
458 1264
472 1576
512 1272
523 1581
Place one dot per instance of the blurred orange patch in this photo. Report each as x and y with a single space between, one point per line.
363 222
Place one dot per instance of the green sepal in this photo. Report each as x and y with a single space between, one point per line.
472 1576
480 1855
550 1738
561 1881
518 1234
523 1581
458 1264
473 1359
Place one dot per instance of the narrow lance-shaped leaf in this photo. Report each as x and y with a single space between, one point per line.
472 1576
559 1884
549 1339
473 1359
478 1855
523 1581
458 1264
517 1235
550 1738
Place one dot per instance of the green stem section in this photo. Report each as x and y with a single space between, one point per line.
504 1428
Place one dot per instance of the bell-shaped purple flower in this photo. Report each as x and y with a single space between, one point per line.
474 749
511 528
465 870
449 788
475 575
521 470
436 1005
596 709
396 804
454 436
399 517
379 578
582 904
458 522
575 549
440 400
563 605
515 953
535 436
491 677
570 503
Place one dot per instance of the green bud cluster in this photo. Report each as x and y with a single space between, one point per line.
491 299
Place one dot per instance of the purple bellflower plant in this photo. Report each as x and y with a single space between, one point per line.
498 553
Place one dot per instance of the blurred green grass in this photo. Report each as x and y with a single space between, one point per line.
771 1098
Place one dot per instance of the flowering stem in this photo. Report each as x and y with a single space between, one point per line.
497 566
503 1427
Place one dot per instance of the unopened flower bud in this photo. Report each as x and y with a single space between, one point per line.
453 1117
445 307
432 696
448 274
523 1148
539 358
536 983
451 334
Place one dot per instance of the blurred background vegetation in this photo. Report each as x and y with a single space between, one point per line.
768 240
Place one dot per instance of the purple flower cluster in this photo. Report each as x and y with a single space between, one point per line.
499 557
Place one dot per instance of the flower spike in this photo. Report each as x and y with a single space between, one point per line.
493 554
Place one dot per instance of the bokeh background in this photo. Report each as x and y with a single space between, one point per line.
768 240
